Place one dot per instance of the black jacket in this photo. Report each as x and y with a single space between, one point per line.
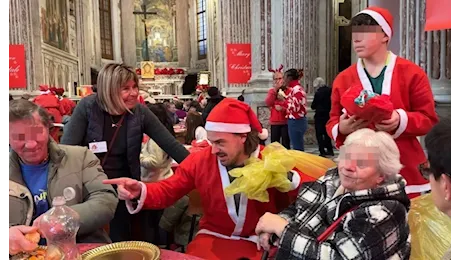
322 102
86 126
212 102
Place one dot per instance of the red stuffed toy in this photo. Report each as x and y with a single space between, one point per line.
366 104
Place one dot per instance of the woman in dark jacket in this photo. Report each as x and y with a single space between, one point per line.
214 98
112 123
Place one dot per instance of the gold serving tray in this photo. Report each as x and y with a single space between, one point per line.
131 250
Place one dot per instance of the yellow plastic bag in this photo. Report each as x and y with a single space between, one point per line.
429 228
271 172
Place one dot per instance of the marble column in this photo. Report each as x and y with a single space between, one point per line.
24 28
429 50
235 28
183 33
128 36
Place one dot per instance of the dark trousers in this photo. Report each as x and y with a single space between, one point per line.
280 134
143 226
324 141
121 224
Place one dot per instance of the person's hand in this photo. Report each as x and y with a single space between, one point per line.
351 124
128 189
37 223
278 107
18 242
389 125
264 242
271 224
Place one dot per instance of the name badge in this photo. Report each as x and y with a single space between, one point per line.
98 147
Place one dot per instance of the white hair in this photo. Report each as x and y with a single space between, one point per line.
318 82
388 152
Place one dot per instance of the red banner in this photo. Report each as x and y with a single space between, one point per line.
239 63
438 15
17 67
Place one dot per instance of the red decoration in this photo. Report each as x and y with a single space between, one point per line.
375 110
438 15
239 63
17 68
138 71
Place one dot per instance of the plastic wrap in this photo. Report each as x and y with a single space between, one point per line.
429 228
366 104
272 171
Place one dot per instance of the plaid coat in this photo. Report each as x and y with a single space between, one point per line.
377 229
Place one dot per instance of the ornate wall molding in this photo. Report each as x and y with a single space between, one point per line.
24 28
430 50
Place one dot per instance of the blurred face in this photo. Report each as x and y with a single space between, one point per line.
129 94
29 139
228 147
368 39
358 168
172 108
440 191
286 79
192 109
277 79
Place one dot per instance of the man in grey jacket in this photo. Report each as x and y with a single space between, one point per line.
40 169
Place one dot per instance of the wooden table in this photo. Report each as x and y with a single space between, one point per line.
164 254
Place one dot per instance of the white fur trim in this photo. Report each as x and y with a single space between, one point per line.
295 180
140 202
264 134
418 188
388 77
380 20
335 131
403 120
228 127
45 92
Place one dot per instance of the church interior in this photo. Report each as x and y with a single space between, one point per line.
65 41
181 49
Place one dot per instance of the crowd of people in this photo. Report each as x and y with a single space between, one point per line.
135 181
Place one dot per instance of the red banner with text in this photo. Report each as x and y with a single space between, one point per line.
438 15
239 63
17 67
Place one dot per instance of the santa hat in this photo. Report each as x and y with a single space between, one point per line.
233 116
59 91
43 87
382 16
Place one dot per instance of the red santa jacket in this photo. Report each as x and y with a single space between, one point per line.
202 171
50 102
410 93
66 106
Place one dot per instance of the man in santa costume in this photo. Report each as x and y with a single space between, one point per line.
227 228
382 72
48 100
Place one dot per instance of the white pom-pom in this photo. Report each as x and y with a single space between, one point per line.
264 134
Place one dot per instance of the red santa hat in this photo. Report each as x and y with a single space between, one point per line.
43 87
233 116
382 16
59 91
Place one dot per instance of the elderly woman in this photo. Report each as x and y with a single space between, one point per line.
112 123
356 211
438 145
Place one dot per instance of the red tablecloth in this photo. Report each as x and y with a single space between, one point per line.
164 254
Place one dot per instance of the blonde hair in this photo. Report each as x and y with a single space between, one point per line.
388 152
109 82
318 82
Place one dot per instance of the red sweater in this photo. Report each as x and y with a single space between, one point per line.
276 117
297 101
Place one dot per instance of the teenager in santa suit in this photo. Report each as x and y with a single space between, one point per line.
227 228
383 72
